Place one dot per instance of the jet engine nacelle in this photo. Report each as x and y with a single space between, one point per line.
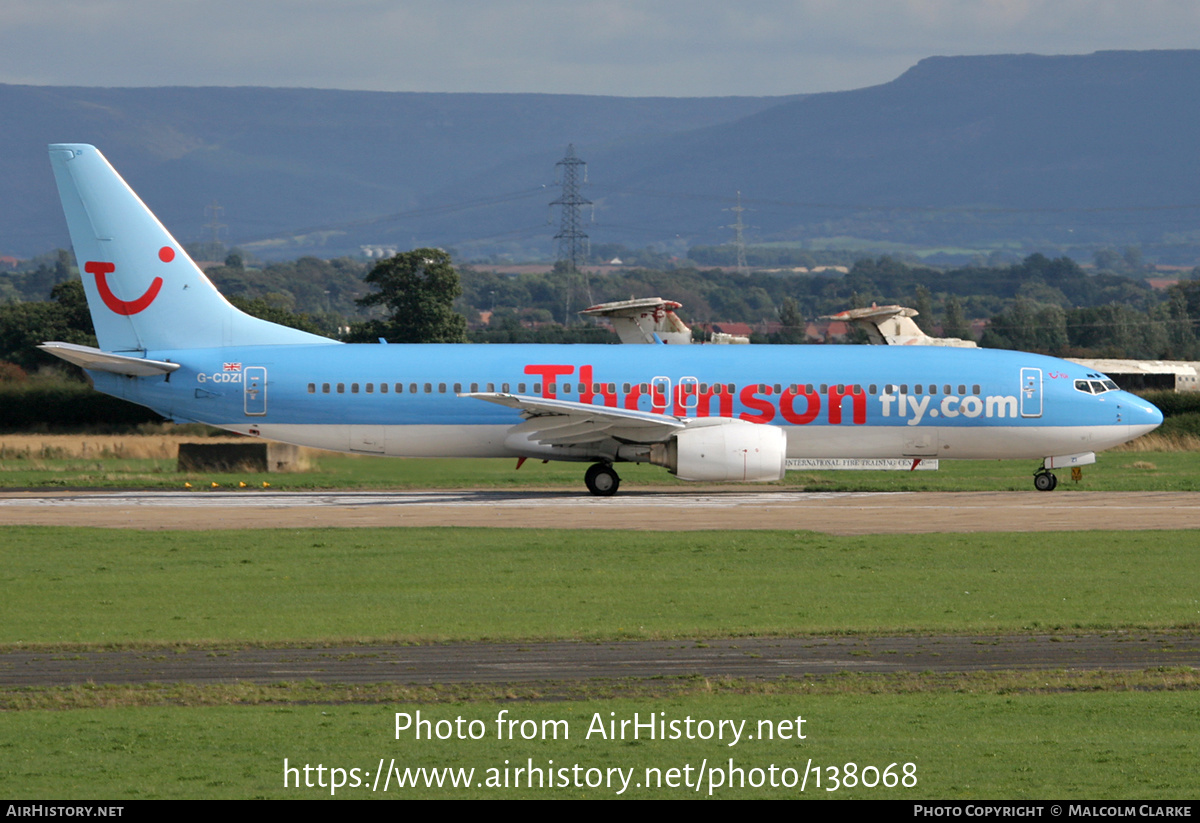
735 450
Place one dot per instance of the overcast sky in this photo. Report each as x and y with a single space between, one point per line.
617 47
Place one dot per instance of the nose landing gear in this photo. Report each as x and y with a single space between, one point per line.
1044 481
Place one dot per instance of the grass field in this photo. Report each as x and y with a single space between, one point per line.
1097 745
100 587
83 461
990 735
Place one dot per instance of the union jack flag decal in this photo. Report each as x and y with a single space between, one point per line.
233 367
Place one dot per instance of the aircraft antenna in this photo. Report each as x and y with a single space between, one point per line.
573 243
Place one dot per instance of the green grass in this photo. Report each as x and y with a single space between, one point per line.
69 586
985 735
1114 471
1097 745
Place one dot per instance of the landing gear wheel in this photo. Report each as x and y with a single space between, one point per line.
1044 481
601 480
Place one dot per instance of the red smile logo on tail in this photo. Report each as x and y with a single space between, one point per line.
125 307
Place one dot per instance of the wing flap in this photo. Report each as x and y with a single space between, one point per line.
565 422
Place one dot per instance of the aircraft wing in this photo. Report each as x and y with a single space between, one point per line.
567 423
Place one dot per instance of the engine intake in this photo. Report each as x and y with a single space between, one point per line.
737 450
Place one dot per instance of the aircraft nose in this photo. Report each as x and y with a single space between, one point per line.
1142 413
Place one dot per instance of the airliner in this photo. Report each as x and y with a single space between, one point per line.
169 341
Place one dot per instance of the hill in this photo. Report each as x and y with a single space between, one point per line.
1018 152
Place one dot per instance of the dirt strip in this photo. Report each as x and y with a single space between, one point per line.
750 657
642 509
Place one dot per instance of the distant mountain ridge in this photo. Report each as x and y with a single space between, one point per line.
958 151
282 159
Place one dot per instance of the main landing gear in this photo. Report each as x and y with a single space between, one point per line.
601 480
1044 480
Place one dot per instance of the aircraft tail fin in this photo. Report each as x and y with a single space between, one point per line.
144 292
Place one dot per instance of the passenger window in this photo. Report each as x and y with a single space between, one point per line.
441 388
537 388
370 388
312 388
324 388
504 388
383 388
553 388
458 388
975 389
429 388
341 388
520 388
917 389
491 386
962 389
474 387
933 389
871 388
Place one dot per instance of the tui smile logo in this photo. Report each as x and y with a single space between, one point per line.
101 271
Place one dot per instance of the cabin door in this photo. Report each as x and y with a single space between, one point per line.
1031 392
254 391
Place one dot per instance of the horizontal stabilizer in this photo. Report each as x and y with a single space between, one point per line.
96 360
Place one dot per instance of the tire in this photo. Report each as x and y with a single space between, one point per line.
601 480
1044 481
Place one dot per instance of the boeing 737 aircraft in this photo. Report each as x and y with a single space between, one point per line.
168 340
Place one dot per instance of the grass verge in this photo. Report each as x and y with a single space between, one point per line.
1084 744
68 587
54 464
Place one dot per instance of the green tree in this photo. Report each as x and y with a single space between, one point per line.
923 303
64 318
791 323
955 324
1028 326
418 288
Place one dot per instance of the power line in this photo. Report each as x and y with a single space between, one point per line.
573 243
739 241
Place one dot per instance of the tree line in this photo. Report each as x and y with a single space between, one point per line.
1038 304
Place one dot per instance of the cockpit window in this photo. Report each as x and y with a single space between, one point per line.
1095 386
